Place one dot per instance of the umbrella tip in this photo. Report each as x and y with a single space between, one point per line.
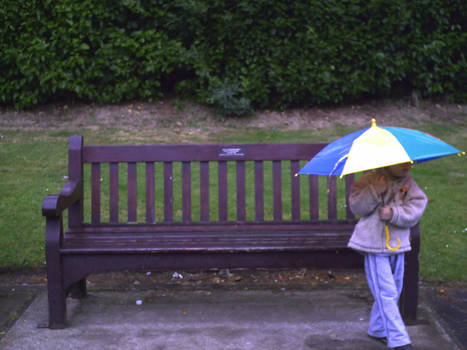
373 122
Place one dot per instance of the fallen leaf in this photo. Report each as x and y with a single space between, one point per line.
235 278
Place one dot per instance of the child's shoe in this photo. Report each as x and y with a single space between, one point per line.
383 340
405 347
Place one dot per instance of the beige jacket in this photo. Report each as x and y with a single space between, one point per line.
407 201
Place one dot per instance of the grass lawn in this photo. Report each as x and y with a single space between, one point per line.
33 162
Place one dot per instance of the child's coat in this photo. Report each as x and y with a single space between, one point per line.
407 201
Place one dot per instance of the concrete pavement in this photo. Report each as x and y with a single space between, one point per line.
242 319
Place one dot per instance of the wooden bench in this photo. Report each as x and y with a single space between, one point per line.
171 207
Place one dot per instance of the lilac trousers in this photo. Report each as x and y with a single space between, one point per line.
385 276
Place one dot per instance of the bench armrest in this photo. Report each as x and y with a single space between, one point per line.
54 205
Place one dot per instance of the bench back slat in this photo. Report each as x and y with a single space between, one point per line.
96 193
150 193
75 172
204 191
256 182
113 192
277 188
295 189
332 200
241 189
132 191
222 195
198 153
168 191
349 180
186 191
314 197
259 191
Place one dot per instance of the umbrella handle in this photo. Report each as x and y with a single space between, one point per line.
393 249
388 236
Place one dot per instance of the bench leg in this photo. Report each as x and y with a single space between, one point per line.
56 292
57 306
79 289
408 302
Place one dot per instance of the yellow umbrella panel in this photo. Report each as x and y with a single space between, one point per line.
375 148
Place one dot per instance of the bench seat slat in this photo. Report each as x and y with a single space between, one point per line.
272 226
202 241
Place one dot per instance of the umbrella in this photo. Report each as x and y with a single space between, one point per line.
376 147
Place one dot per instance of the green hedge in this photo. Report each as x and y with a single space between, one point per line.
235 55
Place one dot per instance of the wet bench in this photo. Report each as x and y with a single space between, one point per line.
181 207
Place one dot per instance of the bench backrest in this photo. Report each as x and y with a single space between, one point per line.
206 184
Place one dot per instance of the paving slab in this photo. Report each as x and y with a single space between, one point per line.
12 304
213 320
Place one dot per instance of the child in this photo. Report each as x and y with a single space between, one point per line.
387 196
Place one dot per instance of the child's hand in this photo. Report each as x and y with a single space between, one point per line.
381 184
385 213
